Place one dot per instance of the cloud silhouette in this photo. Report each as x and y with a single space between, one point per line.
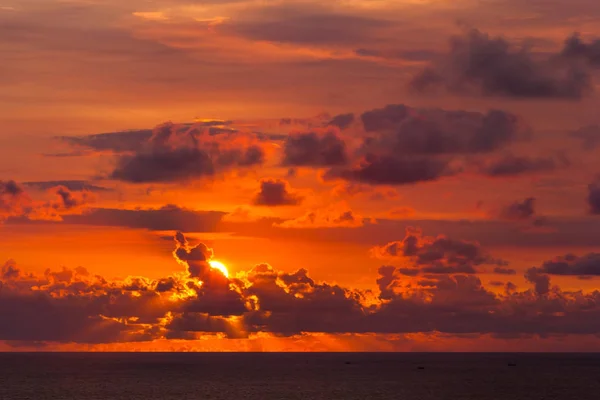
77 306
276 192
478 63
185 152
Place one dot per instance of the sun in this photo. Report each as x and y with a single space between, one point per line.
220 266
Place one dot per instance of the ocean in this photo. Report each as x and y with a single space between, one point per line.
239 376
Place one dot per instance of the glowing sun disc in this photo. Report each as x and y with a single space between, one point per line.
220 266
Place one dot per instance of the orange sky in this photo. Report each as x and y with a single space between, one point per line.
429 167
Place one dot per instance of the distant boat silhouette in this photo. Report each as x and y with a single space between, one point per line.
512 364
420 367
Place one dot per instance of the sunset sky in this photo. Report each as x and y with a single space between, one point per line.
350 175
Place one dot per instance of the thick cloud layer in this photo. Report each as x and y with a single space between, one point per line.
491 66
77 306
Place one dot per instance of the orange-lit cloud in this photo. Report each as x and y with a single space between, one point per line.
370 175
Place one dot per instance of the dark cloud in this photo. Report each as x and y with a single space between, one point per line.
570 264
317 149
519 210
12 199
388 170
72 306
403 145
440 255
74 185
342 121
400 129
184 152
540 281
593 198
195 257
389 117
575 47
70 200
10 270
10 188
512 165
492 66
276 192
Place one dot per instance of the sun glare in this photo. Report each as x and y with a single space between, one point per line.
220 266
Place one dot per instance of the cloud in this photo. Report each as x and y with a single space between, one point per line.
572 265
182 152
491 66
540 281
276 192
439 255
342 121
519 210
317 149
77 306
575 47
400 129
335 216
13 199
15 203
388 170
73 185
513 165
594 197
114 142
403 145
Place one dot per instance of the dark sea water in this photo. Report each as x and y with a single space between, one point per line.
299 376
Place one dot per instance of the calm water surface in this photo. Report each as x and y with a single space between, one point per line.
299 376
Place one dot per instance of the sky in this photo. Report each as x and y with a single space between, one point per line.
351 175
